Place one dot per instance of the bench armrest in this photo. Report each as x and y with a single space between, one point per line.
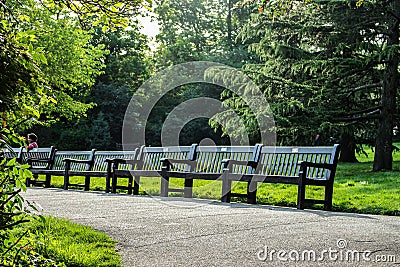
168 163
308 164
228 163
123 161
69 160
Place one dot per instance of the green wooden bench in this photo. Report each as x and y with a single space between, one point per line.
77 163
97 164
39 160
206 165
58 167
146 164
301 166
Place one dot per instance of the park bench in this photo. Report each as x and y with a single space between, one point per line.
96 164
300 166
39 160
147 164
58 168
78 163
206 165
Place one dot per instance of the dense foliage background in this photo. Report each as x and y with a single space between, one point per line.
327 67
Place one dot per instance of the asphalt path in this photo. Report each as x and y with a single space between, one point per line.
174 231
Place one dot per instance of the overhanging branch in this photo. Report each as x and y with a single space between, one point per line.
367 114
363 87
355 119
368 111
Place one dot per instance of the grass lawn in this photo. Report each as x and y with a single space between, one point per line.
65 244
356 189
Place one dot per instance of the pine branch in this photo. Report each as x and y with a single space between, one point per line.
369 116
357 119
362 87
368 111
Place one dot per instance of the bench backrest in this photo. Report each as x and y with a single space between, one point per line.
283 161
98 159
100 163
150 157
59 163
209 158
15 152
41 153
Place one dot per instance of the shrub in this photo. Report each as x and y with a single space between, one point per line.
14 213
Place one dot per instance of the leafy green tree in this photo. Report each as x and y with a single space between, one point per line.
38 81
72 62
200 30
127 65
194 31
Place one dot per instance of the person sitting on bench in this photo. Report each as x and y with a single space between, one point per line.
32 141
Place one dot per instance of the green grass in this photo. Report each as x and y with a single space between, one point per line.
68 243
356 189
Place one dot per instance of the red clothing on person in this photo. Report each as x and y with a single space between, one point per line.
32 146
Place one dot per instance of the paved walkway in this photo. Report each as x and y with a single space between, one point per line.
175 231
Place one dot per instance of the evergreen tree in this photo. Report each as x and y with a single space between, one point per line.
326 69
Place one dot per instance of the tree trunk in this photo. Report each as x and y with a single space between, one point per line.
348 148
383 145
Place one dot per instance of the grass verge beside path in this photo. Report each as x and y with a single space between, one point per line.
65 244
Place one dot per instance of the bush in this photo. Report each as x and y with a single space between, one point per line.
13 213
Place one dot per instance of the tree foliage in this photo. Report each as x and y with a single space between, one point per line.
323 67
196 31
127 66
47 59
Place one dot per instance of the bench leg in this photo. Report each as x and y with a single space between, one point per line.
328 197
188 190
87 183
66 174
66 180
48 180
32 182
226 189
136 185
114 184
164 186
108 181
301 195
130 182
252 192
